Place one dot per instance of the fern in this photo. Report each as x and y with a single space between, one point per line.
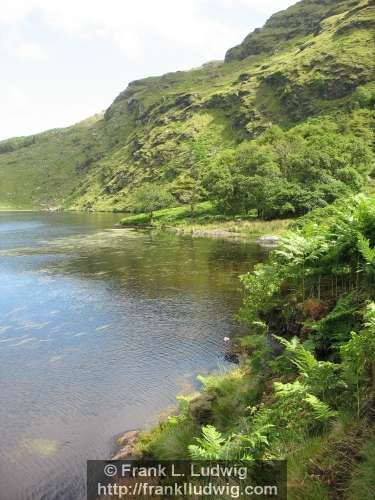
321 377
210 447
366 251
370 316
299 410
257 438
322 412
291 390
302 358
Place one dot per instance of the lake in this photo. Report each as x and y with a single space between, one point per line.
100 329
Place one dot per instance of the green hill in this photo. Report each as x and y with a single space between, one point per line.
310 67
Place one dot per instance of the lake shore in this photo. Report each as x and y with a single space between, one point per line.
206 222
234 230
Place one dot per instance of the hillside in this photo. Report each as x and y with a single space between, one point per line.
314 59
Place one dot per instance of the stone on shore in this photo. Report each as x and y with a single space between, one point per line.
268 241
127 441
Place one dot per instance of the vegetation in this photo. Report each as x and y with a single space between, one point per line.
207 221
175 215
283 128
290 173
285 124
148 198
305 389
233 227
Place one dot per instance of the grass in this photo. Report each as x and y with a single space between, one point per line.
11 209
169 440
363 479
207 221
237 227
173 215
300 483
225 397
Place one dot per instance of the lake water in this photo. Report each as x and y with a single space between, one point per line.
100 329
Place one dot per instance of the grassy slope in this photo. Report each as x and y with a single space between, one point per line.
305 64
38 171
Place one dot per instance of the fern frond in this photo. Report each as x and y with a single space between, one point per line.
322 412
365 249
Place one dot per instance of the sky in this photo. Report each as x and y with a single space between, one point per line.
62 61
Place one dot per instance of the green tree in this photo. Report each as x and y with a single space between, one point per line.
188 186
188 190
290 173
150 197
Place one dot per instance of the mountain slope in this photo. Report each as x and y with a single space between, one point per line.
309 60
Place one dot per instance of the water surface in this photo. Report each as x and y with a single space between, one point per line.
100 328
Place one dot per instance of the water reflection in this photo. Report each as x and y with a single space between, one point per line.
100 328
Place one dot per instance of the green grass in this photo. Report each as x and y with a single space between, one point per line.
362 484
169 216
300 482
225 396
169 440
206 221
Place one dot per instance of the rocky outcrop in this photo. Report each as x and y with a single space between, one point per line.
301 19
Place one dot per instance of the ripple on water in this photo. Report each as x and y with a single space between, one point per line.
100 329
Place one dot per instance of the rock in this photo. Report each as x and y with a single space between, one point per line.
243 77
209 233
128 437
268 241
201 409
185 100
54 209
127 441
125 453
232 357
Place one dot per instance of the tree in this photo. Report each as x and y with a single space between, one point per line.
150 197
289 173
188 190
188 187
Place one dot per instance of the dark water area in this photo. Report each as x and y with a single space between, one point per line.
100 329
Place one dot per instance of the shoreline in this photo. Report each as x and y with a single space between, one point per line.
247 230
235 229
125 443
263 240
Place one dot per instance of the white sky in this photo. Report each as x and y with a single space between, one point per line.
65 60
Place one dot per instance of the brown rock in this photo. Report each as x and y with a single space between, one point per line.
127 441
128 437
